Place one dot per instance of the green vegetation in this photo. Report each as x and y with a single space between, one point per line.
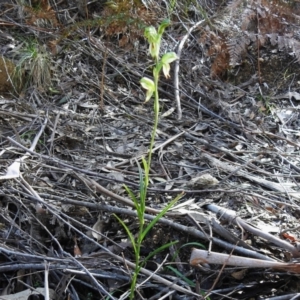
154 39
34 61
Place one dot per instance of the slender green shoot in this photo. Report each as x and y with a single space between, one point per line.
180 275
154 39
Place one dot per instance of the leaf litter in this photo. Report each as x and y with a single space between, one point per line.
65 158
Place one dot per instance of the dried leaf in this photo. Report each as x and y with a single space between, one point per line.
202 181
98 226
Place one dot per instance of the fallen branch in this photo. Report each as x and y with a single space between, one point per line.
176 68
199 257
231 217
278 187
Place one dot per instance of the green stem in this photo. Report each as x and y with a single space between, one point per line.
147 165
156 113
137 265
139 239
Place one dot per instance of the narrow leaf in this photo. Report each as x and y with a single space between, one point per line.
164 210
160 249
131 195
195 244
184 278
130 235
